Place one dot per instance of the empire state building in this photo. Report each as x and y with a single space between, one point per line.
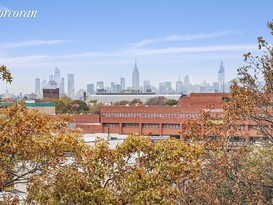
135 80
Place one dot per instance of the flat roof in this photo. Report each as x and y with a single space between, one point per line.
40 104
117 98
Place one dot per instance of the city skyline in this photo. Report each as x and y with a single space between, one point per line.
166 87
100 40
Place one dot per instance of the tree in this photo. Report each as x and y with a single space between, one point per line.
251 94
128 103
77 107
62 104
103 176
31 144
95 108
156 101
60 107
65 99
237 174
5 75
170 102
136 101
122 103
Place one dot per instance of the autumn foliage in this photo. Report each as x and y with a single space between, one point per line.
5 75
31 143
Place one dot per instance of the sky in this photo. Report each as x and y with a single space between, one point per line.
99 40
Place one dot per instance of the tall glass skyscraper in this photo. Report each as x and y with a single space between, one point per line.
70 86
186 86
221 78
122 83
38 87
57 77
179 86
146 86
90 89
62 87
135 80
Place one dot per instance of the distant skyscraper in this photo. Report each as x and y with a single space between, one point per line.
90 89
204 87
135 81
122 83
52 84
44 84
62 87
179 86
115 88
186 84
215 86
221 78
38 87
57 76
112 87
168 87
51 77
147 86
161 88
70 86
100 85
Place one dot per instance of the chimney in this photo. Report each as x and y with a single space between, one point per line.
84 96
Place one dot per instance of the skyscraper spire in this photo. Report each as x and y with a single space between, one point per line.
179 86
221 77
57 77
135 79
135 63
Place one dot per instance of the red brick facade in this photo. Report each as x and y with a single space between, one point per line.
88 123
157 120
51 93
153 120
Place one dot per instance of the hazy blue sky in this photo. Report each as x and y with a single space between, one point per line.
100 39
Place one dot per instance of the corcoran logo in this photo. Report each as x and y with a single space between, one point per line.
18 13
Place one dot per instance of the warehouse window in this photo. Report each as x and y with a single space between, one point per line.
110 124
172 126
150 125
130 125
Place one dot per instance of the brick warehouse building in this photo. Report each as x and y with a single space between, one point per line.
157 120
89 123
154 120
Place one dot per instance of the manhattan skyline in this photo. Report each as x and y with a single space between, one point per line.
167 87
99 40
